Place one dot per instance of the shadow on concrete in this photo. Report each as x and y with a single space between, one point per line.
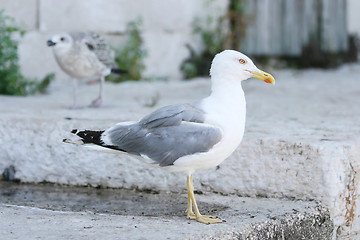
98 200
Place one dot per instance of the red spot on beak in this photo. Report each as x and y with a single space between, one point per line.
267 80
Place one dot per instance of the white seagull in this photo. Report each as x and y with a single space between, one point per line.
84 55
191 136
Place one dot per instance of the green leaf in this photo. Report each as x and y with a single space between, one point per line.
12 82
130 56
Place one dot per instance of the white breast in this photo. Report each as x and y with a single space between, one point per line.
78 64
227 113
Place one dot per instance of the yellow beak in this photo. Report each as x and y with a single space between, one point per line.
266 77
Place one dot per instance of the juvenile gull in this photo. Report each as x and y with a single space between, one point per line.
192 136
84 55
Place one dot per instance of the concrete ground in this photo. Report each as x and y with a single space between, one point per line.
59 212
302 140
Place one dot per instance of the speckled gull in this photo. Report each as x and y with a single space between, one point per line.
192 136
84 55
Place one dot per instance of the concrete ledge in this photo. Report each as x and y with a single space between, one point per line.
48 224
315 224
301 140
82 213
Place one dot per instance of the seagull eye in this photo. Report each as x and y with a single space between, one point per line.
62 39
242 61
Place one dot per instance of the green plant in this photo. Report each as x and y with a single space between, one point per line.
212 36
225 32
130 56
12 82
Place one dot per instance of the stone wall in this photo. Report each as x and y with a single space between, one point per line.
353 17
166 28
273 27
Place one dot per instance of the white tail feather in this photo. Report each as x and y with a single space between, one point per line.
76 142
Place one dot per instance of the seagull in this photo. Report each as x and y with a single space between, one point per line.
84 55
191 136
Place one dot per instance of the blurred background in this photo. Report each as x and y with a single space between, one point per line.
177 39
304 135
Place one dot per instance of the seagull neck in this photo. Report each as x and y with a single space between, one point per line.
63 51
227 97
227 89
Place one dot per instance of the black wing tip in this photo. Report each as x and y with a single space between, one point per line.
89 136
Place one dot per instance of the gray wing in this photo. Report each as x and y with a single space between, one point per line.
98 45
173 115
167 134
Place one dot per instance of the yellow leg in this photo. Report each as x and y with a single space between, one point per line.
189 210
192 203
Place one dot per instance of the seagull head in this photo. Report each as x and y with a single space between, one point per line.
63 41
236 65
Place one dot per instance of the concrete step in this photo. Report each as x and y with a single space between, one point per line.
302 140
59 212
